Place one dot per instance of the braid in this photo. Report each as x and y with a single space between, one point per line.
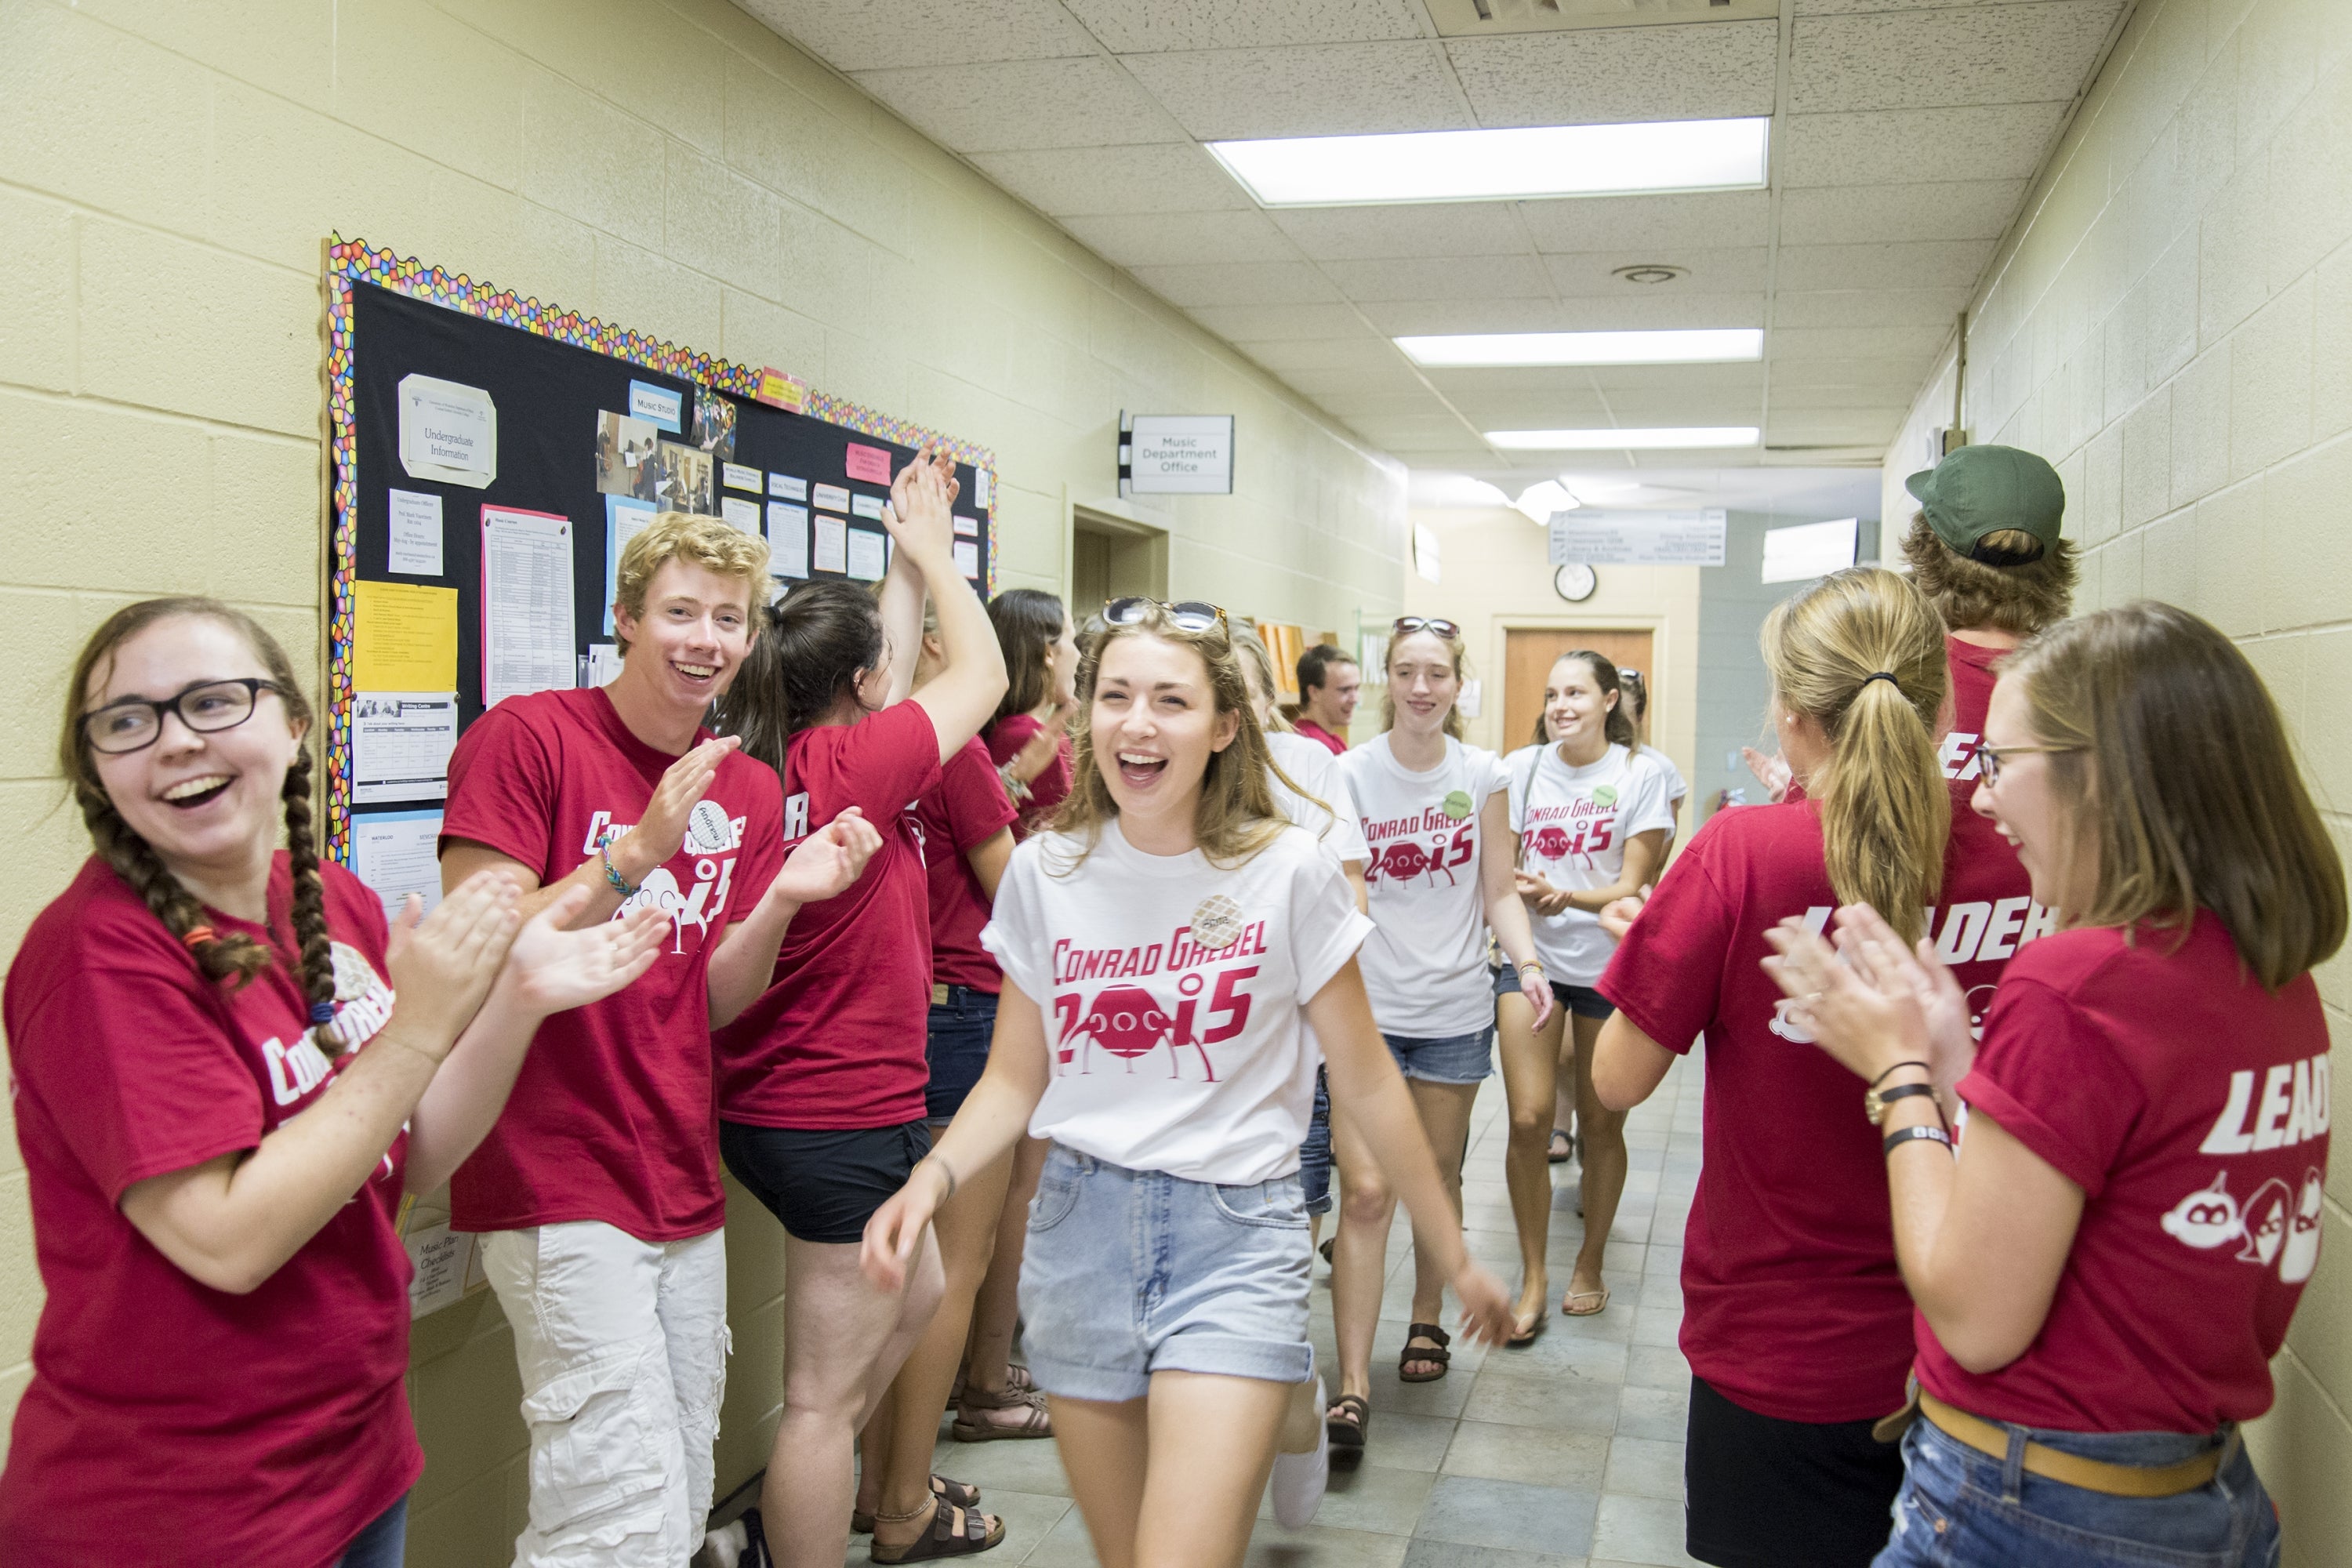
235 956
309 912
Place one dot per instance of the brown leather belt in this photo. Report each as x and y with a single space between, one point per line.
2073 1470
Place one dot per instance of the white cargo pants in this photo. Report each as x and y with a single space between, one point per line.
622 1347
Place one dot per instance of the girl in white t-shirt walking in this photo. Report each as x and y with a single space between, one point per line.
1438 832
1162 951
1592 815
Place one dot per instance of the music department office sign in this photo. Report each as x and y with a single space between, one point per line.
1176 454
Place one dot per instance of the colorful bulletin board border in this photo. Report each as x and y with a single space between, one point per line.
353 261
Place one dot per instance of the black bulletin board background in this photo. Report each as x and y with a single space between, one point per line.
549 394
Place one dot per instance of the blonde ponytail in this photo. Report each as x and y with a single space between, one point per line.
1862 653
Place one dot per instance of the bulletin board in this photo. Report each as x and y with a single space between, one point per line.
486 456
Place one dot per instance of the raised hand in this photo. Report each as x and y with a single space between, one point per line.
1773 773
1487 1308
920 513
1617 916
660 831
827 861
549 969
443 964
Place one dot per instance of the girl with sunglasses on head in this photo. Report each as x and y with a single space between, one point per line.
1795 1322
2109 1261
1437 824
1163 949
821 1080
230 1071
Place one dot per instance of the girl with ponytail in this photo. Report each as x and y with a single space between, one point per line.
230 1071
1796 1324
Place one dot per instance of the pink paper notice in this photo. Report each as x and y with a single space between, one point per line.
871 464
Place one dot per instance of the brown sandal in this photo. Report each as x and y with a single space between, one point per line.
955 1532
1349 1421
1436 1353
957 1494
1035 1420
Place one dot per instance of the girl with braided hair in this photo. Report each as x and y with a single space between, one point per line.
226 1325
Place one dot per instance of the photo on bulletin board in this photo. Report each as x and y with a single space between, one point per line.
490 456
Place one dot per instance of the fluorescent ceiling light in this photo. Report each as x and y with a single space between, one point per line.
1501 165
1539 500
1622 440
1696 346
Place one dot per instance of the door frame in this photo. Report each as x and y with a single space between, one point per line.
1498 656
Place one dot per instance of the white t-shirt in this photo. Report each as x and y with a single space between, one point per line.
1425 967
1677 790
1167 1055
1572 825
1313 768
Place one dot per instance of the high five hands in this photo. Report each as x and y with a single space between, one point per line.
1871 1002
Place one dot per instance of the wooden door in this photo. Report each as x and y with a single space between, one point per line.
1529 656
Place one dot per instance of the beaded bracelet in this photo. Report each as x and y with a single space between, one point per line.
620 883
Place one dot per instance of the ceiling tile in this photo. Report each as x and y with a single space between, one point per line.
1329 90
1833 427
1903 146
1630 308
1890 395
1365 352
1070 181
1868 307
1711 271
1948 209
1936 263
1396 378
1381 232
1279 324
1143 239
1847 7
1023 103
1238 283
1480 277
1683 408
1352 405
1716 219
1563 408
1963 55
1703 70
875 35
1875 377
1125 28
1854 343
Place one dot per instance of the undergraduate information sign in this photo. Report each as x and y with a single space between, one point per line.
1638 538
1176 454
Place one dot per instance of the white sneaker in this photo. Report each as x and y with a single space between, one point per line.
1299 1479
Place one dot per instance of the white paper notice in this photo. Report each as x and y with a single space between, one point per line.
982 486
527 627
736 476
395 853
832 543
830 497
441 1258
415 534
786 487
401 742
743 514
867 558
865 506
968 527
449 432
604 663
787 540
967 559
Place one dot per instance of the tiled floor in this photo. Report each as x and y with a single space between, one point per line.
1568 1454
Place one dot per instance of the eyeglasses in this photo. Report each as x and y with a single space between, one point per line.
1990 758
207 708
1188 615
1405 626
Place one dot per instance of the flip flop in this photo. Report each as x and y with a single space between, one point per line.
1527 1332
1567 1310
1432 1352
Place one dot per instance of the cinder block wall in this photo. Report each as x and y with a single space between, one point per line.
2171 325
166 175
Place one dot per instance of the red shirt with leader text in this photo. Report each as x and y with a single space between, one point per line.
837 1041
267 1427
1792 1305
2191 1107
610 1118
968 806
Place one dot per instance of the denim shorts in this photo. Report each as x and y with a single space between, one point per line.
1315 1154
1131 1272
1582 1001
1959 1506
1451 1058
957 1048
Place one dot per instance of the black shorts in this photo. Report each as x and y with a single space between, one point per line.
1581 1001
823 1185
1765 1493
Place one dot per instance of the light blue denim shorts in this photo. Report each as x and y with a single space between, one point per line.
1131 1272
1447 1058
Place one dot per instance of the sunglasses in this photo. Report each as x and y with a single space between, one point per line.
1405 626
1186 614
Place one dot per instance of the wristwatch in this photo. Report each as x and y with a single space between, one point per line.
1874 1101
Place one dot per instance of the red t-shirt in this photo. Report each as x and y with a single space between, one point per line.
2191 1107
1972 683
610 1118
1792 1305
966 807
1005 738
267 1427
1314 732
837 1041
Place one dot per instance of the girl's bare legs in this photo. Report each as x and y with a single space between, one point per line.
996 1314
1563 1115
1360 1257
1603 1175
1530 1058
1446 1116
1172 1480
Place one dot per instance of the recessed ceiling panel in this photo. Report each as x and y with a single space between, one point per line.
1948 209
1330 89
1704 271
1893 307
1238 283
1905 146
1699 71
1483 277
875 35
1023 103
1963 55
1712 220
1149 239
1158 26
1384 232
1951 263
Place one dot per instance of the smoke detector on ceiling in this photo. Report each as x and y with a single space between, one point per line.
1474 18
1651 272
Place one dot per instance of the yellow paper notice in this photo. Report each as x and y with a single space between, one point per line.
406 639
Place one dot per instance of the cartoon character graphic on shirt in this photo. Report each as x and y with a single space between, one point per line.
710 834
2301 1254
1134 1016
2207 1218
1583 828
1430 843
